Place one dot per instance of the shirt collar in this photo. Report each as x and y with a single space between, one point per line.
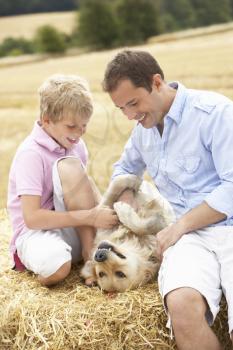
45 140
176 109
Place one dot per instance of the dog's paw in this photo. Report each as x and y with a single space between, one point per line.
126 215
122 182
118 186
88 273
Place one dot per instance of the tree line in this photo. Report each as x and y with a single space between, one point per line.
111 23
123 22
19 7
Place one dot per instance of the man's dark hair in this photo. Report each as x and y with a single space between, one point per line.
137 66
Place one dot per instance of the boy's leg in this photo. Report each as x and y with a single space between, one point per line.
58 276
78 193
189 281
46 254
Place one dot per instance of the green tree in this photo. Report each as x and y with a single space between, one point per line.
176 15
49 40
137 20
212 11
15 7
15 46
168 23
231 5
96 24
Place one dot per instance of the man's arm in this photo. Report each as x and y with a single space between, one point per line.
216 134
36 217
131 161
199 217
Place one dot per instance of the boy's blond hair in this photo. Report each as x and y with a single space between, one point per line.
65 94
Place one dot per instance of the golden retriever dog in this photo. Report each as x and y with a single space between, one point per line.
125 256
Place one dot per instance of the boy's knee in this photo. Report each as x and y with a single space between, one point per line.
72 173
68 167
56 277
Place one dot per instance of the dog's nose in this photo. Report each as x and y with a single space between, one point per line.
100 255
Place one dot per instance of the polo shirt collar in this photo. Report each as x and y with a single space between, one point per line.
43 139
176 109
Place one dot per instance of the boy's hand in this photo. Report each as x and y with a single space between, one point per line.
104 217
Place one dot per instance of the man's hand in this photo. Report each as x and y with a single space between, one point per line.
128 197
201 216
167 237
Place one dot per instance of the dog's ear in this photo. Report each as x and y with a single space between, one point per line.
147 277
88 270
150 271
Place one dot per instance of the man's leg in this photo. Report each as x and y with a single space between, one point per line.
189 282
79 193
187 309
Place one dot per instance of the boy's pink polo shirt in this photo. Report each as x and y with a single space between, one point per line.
31 174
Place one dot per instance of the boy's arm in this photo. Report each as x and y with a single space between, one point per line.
37 218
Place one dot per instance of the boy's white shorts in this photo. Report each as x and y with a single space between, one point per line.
44 252
202 260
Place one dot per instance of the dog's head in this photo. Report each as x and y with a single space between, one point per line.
120 266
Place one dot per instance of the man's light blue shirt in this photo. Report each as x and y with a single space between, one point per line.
192 161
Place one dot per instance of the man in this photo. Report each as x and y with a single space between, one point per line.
184 139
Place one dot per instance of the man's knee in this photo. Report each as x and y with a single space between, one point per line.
58 276
186 307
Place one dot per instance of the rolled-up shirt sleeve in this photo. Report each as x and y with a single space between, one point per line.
131 161
219 141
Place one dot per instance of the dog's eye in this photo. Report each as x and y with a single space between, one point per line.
102 274
120 274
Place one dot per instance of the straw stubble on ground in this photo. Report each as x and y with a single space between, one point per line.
72 316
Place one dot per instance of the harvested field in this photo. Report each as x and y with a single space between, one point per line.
26 25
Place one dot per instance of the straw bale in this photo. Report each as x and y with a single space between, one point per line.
73 316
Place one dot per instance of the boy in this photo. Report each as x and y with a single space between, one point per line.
51 201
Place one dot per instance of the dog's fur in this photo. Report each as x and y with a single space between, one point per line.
125 257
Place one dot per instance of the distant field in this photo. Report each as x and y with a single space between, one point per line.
26 25
193 33
203 62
